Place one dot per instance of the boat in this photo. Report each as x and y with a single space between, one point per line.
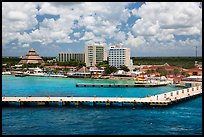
20 74
38 74
6 73
79 75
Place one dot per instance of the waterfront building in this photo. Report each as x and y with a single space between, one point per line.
31 58
94 54
191 81
119 56
81 73
69 68
97 72
63 56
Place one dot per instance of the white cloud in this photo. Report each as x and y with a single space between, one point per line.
161 21
88 36
171 15
17 17
25 45
134 41
77 34
101 21
120 36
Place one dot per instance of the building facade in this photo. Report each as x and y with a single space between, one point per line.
119 56
63 57
94 54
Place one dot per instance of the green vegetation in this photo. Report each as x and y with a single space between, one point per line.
102 64
10 61
109 69
48 58
72 63
125 68
184 62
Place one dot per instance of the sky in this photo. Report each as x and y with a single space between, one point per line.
147 28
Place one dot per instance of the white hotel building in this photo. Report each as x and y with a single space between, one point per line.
94 54
119 56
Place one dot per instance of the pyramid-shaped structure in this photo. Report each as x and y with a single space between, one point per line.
83 70
31 58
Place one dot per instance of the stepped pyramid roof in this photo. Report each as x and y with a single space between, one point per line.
31 58
83 70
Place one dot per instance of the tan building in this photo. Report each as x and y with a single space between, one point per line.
94 54
31 58
194 71
63 57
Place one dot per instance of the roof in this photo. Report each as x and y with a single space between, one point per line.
171 67
151 67
31 57
83 70
194 70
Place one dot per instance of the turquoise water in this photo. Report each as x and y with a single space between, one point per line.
41 86
184 118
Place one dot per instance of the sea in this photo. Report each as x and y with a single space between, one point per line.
181 119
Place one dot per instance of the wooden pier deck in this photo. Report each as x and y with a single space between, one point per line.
163 99
117 85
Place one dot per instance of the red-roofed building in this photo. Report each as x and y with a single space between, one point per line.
168 68
149 68
194 71
171 68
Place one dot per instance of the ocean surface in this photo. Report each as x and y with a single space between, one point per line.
181 119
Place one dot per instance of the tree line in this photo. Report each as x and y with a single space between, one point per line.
184 62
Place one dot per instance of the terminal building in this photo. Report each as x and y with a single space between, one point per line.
191 81
94 54
119 56
63 57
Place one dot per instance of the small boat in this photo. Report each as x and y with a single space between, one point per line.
20 74
79 75
6 73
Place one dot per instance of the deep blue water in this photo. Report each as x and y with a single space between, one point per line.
183 118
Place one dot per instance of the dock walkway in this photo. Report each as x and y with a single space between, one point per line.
117 85
163 99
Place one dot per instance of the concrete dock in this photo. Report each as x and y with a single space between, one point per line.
118 85
163 99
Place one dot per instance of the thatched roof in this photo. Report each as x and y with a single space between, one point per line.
83 70
31 57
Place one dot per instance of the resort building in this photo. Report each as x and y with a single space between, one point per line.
119 56
31 58
71 56
94 54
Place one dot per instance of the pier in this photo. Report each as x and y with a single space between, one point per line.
164 99
118 85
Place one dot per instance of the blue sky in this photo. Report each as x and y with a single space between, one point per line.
148 29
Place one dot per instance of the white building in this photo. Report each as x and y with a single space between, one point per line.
119 56
63 56
94 54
